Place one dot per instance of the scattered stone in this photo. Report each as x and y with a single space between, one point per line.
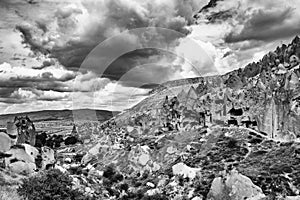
171 150
143 159
197 198
68 160
149 184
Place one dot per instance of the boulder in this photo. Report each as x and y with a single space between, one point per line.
12 131
91 154
21 167
149 184
48 157
144 158
197 198
185 171
5 142
292 198
171 150
234 186
18 153
31 151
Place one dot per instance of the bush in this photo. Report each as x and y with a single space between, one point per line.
109 172
9 193
49 185
156 197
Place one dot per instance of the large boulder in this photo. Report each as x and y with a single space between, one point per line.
234 186
18 153
21 159
9 138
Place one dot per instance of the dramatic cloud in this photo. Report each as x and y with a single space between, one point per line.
79 27
143 66
17 81
267 25
253 19
44 43
241 31
46 63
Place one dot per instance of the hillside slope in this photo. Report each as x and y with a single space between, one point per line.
265 94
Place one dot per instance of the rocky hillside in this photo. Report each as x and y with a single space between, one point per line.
227 137
233 136
264 94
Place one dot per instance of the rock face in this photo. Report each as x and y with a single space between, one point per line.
234 186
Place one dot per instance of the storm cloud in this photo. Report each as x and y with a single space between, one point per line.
80 27
267 25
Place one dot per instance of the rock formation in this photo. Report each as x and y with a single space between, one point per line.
26 130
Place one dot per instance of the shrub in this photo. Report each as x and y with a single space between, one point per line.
49 185
156 197
9 193
109 172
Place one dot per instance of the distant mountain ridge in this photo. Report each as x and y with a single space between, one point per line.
62 115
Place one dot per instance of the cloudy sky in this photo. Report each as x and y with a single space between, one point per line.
107 54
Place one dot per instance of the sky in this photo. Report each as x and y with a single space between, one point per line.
108 54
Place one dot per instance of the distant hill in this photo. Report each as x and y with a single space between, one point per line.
61 115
